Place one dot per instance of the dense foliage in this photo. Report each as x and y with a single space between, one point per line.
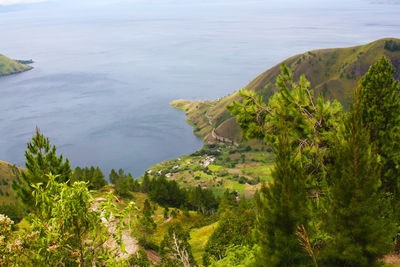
169 193
335 175
358 219
93 176
65 228
123 183
234 228
283 207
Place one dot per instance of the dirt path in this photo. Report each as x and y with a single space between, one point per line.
131 244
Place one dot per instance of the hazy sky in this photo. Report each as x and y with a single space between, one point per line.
271 3
13 2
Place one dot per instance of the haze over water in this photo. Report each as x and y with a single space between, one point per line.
106 70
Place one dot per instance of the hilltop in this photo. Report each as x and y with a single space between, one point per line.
9 66
334 73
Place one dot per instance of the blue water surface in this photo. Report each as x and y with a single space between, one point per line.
106 70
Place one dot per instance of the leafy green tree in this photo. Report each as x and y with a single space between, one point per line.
70 231
175 247
66 229
358 218
41 159
7 254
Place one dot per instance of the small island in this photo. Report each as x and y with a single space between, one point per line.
9 66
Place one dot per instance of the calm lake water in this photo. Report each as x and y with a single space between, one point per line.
106 70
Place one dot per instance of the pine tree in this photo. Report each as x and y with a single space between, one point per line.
145 186
93 176
308 123
228 202
380 114
282 207
358 217
41 160
145 226
97 179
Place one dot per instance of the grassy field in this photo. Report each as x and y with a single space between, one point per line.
9 66
199 238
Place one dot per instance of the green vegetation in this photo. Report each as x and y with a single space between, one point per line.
8 173
123 183
9 66
93 176
175 248
219 167
318 188
325 156
41 159
199 238
378 93
358 219
392 45
282 208
234 228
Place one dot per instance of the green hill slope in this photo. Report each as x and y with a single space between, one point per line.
8 173
9 66
334 73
